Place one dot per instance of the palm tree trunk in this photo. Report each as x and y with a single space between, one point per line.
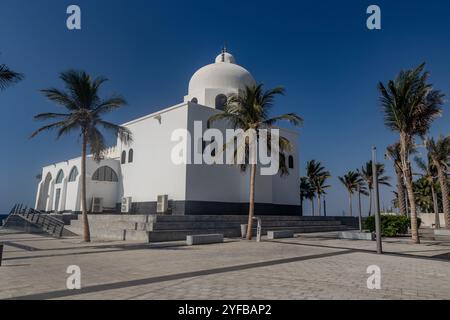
370 202
444 188
437 223
350 204
400 192
318 206
251 208
312 207
301 206
86 232
409 187
359 211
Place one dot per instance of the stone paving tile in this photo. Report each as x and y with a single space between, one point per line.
318 268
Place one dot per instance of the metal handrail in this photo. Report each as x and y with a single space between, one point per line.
45 221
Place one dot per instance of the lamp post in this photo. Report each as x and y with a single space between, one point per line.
377 201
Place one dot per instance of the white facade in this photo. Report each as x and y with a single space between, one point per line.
191 188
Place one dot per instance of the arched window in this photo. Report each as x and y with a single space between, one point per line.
59 177
194 100
105 173
124 157
221 101
130 155
73 174
291 162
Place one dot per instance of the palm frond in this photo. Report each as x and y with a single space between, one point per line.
8 77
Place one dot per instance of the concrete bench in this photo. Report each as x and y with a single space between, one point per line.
442 234
356 235
204 239
280 234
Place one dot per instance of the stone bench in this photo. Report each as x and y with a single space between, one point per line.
355 235
442 234
204 239
280 234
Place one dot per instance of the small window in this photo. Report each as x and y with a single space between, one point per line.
105 173
221 101
124 157
130 156
73 174
194 100
59 177
291 162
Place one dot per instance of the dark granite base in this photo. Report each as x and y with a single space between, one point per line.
216 208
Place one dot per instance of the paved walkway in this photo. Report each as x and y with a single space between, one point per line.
313 266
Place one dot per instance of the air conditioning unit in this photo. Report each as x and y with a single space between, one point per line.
126 205
163 204
97 205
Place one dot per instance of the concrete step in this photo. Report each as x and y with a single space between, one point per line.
101 233
157 228
106 224
118 218
229 225
175 235
235 218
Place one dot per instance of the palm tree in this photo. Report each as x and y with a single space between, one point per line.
366 174
439 152
320 187
429 174
393 153
410 105
317 176
250 111
423 194
306 191
352 182
8 77
84 110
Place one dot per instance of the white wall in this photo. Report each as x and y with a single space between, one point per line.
226 183
152 172
70 196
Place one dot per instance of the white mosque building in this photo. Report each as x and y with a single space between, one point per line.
141 178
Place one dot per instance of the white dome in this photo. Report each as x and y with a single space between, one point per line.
225 57
223 74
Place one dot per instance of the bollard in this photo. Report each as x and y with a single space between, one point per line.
1 253
258 229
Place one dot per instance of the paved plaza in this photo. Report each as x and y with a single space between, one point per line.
314 266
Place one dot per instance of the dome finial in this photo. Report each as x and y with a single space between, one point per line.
224 51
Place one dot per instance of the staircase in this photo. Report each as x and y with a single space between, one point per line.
33 221
159 228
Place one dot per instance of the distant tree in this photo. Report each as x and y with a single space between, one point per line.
306 192
429 174
410 106
393 153
423 194
353 182
439 152
249 110
366 174
317 175
84 111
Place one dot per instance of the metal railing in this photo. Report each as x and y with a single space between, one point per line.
49 224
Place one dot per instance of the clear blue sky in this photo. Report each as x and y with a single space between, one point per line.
321 51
